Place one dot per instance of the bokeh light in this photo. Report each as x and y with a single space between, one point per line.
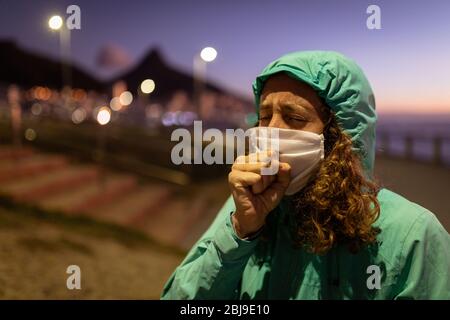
30 134
115 104
148 86
79 115
187 118
103 115
36 109
126 98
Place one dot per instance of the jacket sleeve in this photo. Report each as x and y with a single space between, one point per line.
425 260
213 267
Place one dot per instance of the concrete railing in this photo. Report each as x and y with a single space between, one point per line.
436 143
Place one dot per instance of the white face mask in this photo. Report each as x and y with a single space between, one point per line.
303 150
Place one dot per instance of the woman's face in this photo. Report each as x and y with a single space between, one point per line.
290 104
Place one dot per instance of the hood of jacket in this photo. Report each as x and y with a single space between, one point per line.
341 83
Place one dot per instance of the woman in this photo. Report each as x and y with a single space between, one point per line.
336 235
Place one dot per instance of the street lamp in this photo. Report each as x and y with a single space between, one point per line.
56 23
208 54
205 56
103 117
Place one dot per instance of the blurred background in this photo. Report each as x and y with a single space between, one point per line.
89 98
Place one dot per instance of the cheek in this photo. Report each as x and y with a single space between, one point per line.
316 126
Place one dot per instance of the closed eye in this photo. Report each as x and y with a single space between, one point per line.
295 119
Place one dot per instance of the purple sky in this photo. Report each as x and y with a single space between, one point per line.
407 61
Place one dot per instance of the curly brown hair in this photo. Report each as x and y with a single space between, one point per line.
340 204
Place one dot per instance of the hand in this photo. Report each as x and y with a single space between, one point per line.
255 195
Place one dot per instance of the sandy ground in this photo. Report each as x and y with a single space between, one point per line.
35 254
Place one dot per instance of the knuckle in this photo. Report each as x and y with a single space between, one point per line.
240 160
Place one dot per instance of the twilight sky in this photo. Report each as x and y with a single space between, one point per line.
407 61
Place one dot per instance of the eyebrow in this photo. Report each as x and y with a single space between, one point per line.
265 105
290 105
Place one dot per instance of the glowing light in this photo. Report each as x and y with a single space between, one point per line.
103 116
79 115
55 22
42 93
79 94
126 98
46 93
169 119
208 54
187 118
36 109
115 104
147 86
30 134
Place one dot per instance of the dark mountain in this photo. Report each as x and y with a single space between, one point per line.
167 78
28 69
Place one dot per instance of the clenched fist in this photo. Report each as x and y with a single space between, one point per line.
255 195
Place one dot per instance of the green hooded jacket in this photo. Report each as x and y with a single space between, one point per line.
410 260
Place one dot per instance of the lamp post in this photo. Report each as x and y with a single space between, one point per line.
16 115
205 56
56 23
103 117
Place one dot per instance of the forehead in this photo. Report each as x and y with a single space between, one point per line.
282 87
281 82
282 90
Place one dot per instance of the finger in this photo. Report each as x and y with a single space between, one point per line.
272 169
258 187
238 178
283 178
268 180
271 197
261 156
254 167
253 162
284 174
273 194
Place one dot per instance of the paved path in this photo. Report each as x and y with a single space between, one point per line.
425 184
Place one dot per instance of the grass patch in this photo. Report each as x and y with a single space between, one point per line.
53 245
